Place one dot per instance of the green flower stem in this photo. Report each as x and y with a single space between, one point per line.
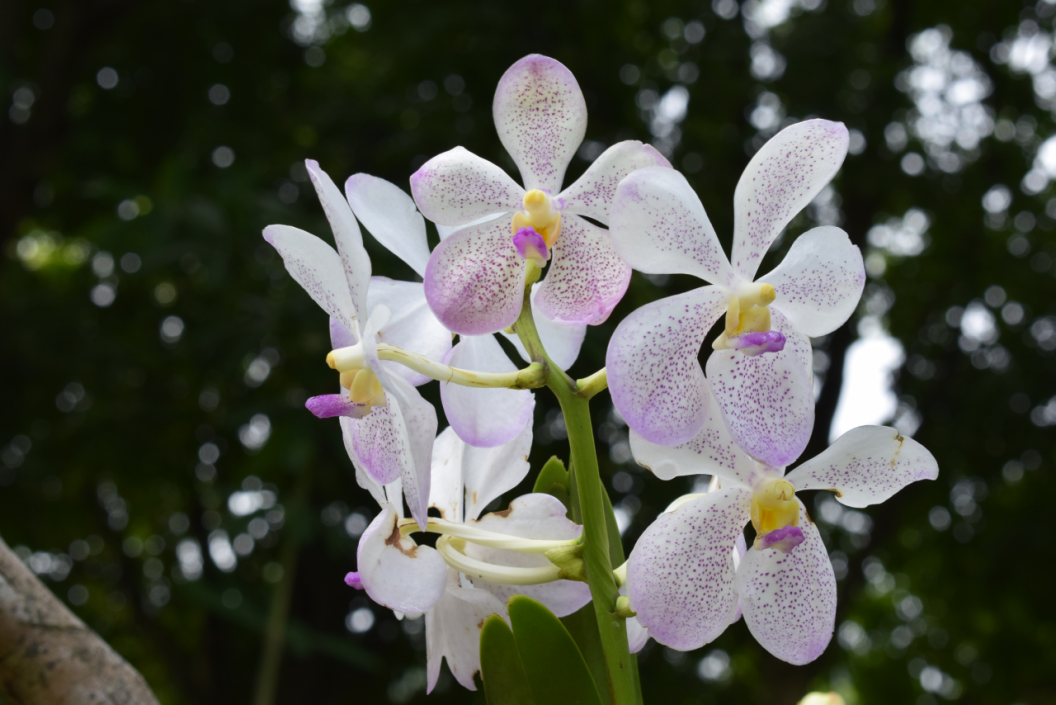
529 378
603 591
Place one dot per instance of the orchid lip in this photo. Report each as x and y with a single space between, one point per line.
783 539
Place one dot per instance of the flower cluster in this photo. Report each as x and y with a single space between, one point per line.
692 573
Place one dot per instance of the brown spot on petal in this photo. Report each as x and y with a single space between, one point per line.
505 512
835 491
395 539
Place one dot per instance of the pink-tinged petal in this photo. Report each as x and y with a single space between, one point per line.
317 268
389 214
819 282
340 337
452 631
412 327
377 443
789 599
474 281
541 118
417 425
484 417
532 516
562 342
783 539
391 493
457 187
680 575
659 227
780 180
592 194
488 472
327 406
586 278
446 488
349 241
654 377
394 571
767 401
866 465
710 452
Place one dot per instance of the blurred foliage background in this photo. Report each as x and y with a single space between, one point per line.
158 468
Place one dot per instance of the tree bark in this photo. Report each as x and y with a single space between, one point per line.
50 657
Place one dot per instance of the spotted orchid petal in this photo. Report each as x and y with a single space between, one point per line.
767 401
711 452
317 268
327 406
654 376
418 418
586 278
488 472
659 227
819 282
532 516
452 630
389 214
541 118
474 281
592 194
412 326
394 571
457 187
446 489
680 575
391 493
349 240
867 465
789 599
779 181
484 417
562 342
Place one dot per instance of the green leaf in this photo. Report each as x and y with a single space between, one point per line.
555 668
505 682
554 480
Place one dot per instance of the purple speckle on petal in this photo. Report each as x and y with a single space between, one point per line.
783 539
352 580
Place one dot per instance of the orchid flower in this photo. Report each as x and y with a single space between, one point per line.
475 279
761 368
682 579
478 563
388 426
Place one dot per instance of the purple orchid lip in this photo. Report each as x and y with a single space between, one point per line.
327 406
352 580
752 344
783 539
531 245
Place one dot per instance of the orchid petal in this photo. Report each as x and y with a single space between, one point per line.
379 318
562 342
412 327
484 417
457 187
586 278
767 401
659 227
654 376
710 452
680 575
340 336
390 216
349 241
418 418
789 599
452 630
532 516
780 180
317 268
474 281
637 635
541 118
446 489
866 465
819 282
394 571
592 194
391 493
444 231
488 472
327 406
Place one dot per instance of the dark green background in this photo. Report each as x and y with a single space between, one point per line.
984 584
